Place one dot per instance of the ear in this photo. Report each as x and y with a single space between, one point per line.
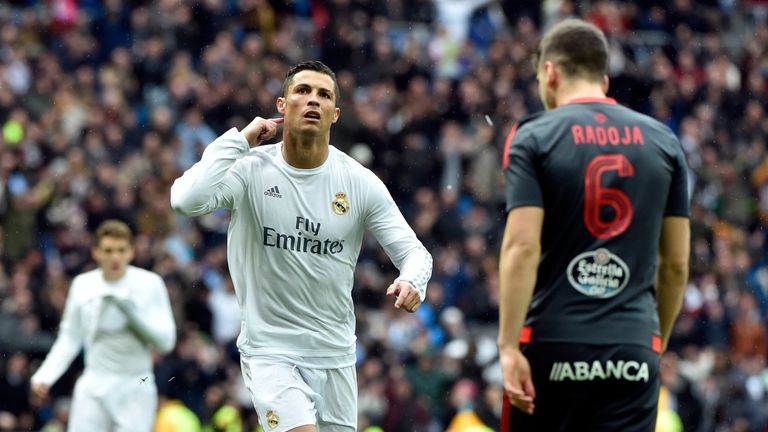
336 114
606 84
280 105
551 73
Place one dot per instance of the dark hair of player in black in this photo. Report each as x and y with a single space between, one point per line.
578 48
311 65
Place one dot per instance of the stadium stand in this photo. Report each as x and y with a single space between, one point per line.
104 103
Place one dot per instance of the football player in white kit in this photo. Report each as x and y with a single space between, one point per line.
299 211
118 313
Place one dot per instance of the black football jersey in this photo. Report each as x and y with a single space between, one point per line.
606 176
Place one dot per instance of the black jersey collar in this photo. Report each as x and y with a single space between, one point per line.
591 100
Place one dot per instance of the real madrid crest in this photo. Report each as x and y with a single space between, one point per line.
272 419
340 204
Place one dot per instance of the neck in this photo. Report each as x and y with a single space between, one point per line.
578 90
112 277
305 153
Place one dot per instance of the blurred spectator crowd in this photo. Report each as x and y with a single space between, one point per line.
104 103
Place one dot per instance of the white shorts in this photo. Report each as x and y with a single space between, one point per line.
287 396
110 402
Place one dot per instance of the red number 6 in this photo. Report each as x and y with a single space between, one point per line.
597 196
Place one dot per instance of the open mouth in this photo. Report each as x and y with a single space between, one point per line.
312 115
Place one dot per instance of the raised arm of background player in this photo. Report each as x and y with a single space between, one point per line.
208 185
149 314
672 275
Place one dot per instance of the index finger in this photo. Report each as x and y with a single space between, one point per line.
399 300
277 120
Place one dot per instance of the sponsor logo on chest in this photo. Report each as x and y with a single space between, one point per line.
598 273
307 235
305 238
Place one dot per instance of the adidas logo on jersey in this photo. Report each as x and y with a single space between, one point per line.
273 192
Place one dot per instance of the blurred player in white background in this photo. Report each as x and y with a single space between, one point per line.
118 313
299 211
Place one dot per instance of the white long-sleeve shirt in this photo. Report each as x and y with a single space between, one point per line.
117 340
293 243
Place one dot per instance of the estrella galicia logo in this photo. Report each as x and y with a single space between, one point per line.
598 273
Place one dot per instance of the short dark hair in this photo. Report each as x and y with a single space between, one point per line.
577 47
115 229
311 65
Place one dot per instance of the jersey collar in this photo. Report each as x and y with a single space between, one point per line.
591 100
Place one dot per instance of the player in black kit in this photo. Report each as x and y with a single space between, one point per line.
594 259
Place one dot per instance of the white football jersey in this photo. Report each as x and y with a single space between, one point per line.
293 243
98 325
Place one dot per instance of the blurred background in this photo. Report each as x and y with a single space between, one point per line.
104 103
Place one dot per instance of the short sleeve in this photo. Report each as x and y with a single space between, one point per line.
678 202
521 181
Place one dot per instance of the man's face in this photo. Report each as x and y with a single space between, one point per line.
309 106
113 256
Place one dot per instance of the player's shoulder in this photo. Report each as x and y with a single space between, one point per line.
83 284
654 131
143 276
349 164
628 115
362 181
257 160
653 123
261 153
548 120
85 278
525 128
532 119
531 122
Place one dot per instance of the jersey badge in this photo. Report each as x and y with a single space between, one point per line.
340 204
598 273
272 419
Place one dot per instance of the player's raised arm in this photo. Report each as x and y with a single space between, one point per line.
210 184
152 321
